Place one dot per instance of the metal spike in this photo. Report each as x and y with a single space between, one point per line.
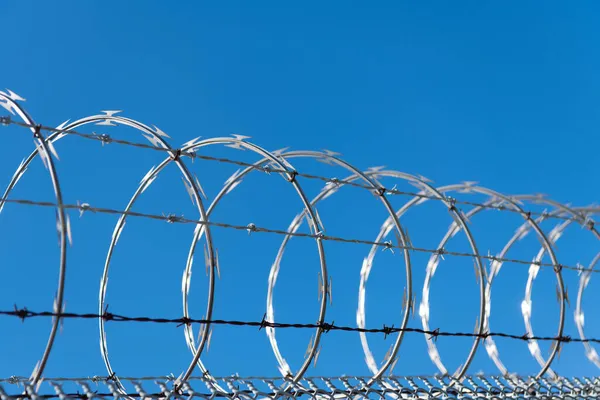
191 143
217 264
118 233
556 346
311 223
159 132
208 339
63 125
319 221
240 137
388 354
236 146
316 357
233 177
19 172
177 381
392 366
148 174
200 331
155 141
52 149
111 113
418 185
189 190
455 217
82 208
279 152
186 278
106 122
62 320
7 106
206 258
233 186
517 201
407 237
310 344
522 231
35 370
458 369
200 187
465 217
425 179
389 246
68 224
320 287
14 96
325 160
43 155
331 153
468 185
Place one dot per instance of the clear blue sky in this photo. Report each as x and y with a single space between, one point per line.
504 95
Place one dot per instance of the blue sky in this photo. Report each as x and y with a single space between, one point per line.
503 95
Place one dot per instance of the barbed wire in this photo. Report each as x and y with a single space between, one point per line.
279 162
24 314
252 228
106 139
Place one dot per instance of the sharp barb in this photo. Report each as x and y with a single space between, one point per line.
316 357
217 264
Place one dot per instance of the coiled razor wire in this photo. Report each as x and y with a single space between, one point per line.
279 162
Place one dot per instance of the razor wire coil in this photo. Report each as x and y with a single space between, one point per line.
278 162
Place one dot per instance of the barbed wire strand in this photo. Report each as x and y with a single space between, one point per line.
108 139
251 228
24 313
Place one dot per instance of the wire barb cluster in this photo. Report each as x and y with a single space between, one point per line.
279 162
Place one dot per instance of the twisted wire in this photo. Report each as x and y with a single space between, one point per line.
278 162
432 334
107 139
253 228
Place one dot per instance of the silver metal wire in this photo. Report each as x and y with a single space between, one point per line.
321 388
584 280
294 382
10 101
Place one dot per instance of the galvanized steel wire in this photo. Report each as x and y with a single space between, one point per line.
279 162
320 387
